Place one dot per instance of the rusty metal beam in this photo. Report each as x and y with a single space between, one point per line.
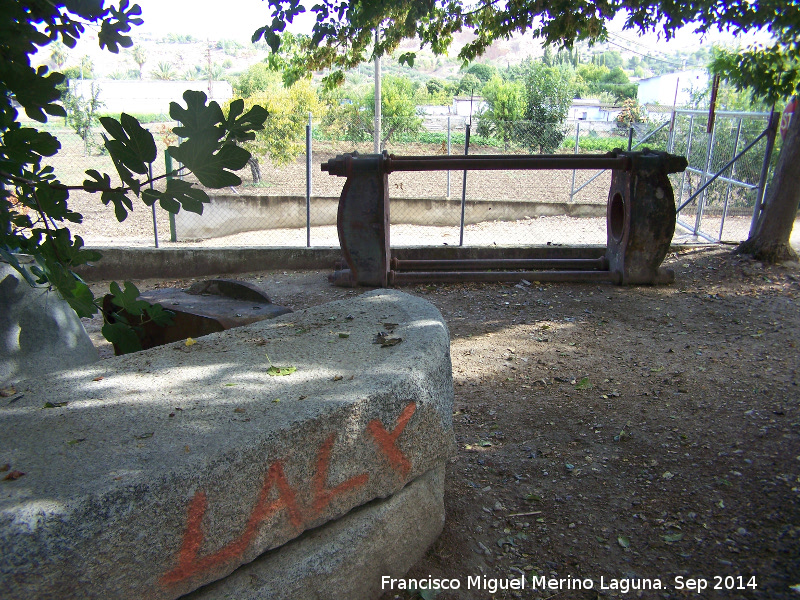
584 264
348 164
396 278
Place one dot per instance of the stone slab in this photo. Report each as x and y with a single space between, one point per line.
39 331
350 555
155 473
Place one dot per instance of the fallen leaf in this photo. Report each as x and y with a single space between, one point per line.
274 371
390 327
98 378
344 334
385 341
54 404
583 384
623 541
144 436
229 384
276 400
238 410
77 441
13 475
672 537
8 392
337 378
190 342
4 468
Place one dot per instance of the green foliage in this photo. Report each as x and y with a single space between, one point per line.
506 101
283 135
139 56
469 85
257 78
769 74
548 94
632 112
34 204
352 115
164 71
482 71
82 113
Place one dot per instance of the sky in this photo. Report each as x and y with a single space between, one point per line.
203 19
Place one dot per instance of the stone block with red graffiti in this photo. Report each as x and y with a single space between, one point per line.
150 475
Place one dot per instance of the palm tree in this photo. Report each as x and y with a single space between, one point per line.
139 56
165 71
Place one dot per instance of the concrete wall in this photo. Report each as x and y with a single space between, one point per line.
230 214
134 96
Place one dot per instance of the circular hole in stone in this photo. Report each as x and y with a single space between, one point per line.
616 216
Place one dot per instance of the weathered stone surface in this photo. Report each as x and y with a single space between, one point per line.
39 332
168 469
349 555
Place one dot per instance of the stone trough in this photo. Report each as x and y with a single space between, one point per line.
198 469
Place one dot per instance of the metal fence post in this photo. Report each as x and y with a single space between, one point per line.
173 234
732 176
308 182
448 154
630 138
577 148
464 191
688 157
706 174
155 227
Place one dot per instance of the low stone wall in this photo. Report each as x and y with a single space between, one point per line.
150 475
231 214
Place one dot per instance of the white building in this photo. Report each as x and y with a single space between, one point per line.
147 97
661 89
591 109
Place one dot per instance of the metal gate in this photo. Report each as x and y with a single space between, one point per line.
720 193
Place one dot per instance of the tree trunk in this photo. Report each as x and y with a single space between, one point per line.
770 239
255 169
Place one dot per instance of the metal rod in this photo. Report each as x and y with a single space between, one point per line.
730 162
770 131
155 227
577 147
464 190
724 113
689 161
749 186
730 184
173 233
505 162
698 234
585 264
448 154
630 138
457 277
701 204
308 182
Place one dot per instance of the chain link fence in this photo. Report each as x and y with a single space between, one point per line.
295 204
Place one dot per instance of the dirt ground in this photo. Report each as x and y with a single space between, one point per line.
640 435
